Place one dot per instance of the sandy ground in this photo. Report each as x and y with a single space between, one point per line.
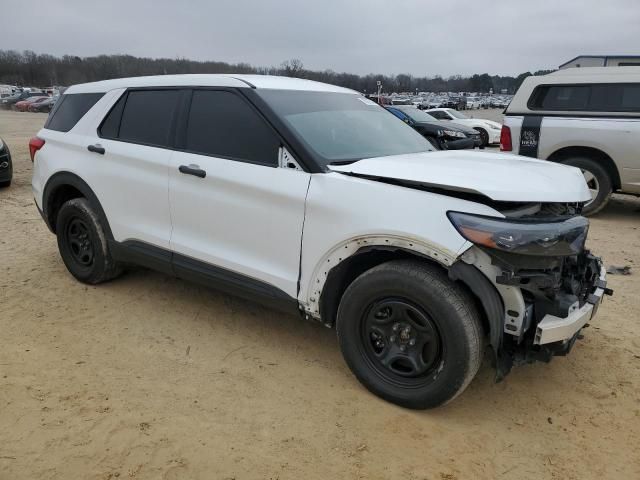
150 377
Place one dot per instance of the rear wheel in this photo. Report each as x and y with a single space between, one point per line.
5 184
409 334
82 243
598 181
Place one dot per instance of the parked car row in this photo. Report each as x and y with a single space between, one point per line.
29 99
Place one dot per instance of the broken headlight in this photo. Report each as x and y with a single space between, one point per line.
561 238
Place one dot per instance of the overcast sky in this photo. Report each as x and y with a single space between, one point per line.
419 37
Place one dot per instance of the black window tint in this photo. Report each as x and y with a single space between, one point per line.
439 115
631 98
614 97
70 109
223 124
606 98
619 97
148 115
111 124
569 97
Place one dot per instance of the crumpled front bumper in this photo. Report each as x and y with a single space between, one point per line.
553 329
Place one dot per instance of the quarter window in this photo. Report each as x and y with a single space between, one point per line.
70 109
222 124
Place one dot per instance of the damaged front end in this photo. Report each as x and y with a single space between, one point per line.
549 284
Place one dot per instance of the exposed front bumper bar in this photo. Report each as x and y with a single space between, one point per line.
554 329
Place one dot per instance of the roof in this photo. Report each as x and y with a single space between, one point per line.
208 80
594 72
573 76
605 57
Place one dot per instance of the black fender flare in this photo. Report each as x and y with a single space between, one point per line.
63 179
493 306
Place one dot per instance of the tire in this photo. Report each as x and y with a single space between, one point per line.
83 244
5 184
598 181
442 344
484 136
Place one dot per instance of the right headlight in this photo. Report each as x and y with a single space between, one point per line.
561 238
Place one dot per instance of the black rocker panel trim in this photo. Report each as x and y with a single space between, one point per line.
142 254
159 259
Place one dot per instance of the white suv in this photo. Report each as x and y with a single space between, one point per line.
585 117
312 198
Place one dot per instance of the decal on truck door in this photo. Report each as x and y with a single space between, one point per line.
530 135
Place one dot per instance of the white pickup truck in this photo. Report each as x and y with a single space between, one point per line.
585 117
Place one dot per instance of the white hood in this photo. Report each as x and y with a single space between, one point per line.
499 176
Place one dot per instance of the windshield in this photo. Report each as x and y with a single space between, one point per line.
416 115
455 114
342 127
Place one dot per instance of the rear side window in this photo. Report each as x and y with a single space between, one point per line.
147 117
222 124
565 98
70 109
618 97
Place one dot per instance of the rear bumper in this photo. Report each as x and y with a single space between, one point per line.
553 329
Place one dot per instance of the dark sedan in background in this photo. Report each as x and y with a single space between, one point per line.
6 168
442 135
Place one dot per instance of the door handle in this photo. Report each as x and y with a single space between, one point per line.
97 148
192 170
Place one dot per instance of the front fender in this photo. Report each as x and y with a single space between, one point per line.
339 253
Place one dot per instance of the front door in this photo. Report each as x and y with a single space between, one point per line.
234 211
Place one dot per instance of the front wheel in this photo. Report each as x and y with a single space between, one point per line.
409 334
484 137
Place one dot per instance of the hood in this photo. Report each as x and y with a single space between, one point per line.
501 177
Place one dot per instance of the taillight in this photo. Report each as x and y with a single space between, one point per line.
505 139
35 144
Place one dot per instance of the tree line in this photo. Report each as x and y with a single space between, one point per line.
28 68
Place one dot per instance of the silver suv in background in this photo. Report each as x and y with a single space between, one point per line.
585 117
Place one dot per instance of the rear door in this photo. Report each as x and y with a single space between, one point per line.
135 144
236 214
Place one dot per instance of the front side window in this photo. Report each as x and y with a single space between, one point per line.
342 127
440 115
70 109
222 124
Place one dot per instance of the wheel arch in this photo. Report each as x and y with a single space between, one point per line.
593 153
345 262
64 186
